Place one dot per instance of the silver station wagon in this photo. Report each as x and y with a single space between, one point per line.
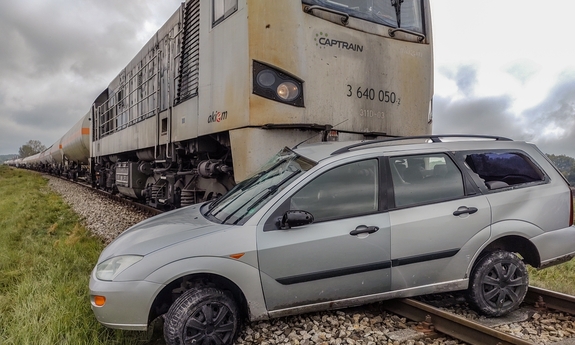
338 224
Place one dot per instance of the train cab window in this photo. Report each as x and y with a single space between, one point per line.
405 14
223 9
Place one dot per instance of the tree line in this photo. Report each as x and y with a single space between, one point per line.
31 148
566 165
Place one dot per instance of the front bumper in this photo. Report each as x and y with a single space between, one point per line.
127 303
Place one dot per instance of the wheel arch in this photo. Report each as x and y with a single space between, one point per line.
513 244
168 295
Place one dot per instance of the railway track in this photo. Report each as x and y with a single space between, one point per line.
433 319
150 210
147 209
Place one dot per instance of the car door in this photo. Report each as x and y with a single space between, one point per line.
438 221
344 253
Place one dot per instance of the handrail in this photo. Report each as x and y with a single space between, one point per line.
420 36
344 16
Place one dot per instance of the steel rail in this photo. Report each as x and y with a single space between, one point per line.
544 298
451 324
145 208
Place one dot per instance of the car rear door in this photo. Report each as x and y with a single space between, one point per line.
438 220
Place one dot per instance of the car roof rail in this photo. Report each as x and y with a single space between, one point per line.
432 138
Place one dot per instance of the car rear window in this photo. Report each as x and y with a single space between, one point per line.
503 169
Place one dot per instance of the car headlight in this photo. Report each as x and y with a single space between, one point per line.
109 269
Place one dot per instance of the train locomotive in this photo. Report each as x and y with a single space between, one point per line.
224 84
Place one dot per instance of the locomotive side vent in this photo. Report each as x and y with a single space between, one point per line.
190 58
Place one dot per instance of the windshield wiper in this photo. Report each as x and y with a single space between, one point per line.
397 5
271 190
244 187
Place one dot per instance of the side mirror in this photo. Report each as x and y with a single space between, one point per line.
294 218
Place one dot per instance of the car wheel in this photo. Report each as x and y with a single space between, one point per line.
202 316
498 283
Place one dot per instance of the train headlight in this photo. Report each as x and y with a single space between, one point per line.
288 91
266 78
278 86
109 269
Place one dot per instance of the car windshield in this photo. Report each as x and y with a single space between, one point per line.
406 14
247 197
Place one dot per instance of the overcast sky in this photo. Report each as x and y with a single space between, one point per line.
501 67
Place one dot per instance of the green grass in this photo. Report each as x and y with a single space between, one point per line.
46 256
558 278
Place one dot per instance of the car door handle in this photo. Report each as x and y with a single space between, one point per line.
464 209
363 229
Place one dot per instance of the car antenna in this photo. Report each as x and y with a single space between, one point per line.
327 129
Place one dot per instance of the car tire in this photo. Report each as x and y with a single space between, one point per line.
202 316
498 283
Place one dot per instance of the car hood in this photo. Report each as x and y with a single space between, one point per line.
162 231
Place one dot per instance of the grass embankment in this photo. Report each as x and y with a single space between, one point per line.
46 256
558 278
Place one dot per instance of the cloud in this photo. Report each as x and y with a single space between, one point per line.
57 56
464 76
485 116
523 69
550 124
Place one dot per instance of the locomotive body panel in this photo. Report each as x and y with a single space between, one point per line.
224 72
361 82
185 120
138 136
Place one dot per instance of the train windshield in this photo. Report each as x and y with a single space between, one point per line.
406 14
247 197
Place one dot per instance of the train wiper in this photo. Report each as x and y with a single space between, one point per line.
397 5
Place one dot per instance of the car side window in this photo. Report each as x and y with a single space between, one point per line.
346 191
424 179
503 169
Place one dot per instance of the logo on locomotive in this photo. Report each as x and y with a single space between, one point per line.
217 116
322 41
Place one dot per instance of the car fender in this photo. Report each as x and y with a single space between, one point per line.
244 275
505 228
